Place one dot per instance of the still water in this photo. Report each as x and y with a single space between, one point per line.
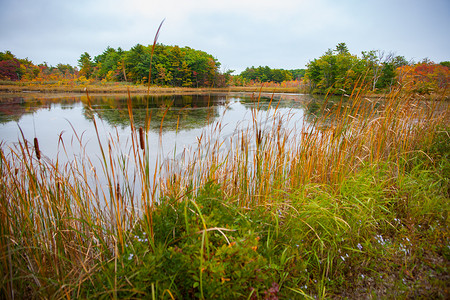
65 127
179 119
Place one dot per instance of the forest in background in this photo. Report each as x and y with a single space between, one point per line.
337 71
171 66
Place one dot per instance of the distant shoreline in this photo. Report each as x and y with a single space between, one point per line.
31 88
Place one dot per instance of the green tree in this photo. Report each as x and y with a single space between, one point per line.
186 74
445 64
313 74
375 62
200 65
399 61
66 69
137 63
297 74
334 72
174 65
342 48
109 63
266 74
171 65
387 76
7 55
86 65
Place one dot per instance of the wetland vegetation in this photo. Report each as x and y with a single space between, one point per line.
329 197
354 202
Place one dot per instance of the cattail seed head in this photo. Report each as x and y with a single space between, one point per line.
258 138
141 137
36 148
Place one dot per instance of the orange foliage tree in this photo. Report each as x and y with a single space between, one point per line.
424 78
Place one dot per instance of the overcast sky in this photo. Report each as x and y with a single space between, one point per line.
239 33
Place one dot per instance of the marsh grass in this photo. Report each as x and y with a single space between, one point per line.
357 198
102 88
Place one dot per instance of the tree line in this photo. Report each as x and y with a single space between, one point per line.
170 66
338 71
13 68
266 74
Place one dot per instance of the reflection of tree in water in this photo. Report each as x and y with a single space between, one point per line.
188 111
317 107
333 108
12 109
265 102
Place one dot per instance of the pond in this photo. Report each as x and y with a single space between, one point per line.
65 127
179 119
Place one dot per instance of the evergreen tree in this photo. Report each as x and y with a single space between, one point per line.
86 65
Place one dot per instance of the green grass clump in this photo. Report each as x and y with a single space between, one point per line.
315 242
199 250
354 204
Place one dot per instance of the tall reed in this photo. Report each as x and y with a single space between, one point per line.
267 158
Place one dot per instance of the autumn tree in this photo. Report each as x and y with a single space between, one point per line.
10 69
9 66
424 78
13 68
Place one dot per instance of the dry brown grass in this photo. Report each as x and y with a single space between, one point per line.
122 88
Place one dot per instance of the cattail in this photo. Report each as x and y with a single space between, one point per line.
174 178
118 190
36 148
258 138
141 137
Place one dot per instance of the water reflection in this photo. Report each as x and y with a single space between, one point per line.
13 108
186 112
64 126
185 117
333 108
